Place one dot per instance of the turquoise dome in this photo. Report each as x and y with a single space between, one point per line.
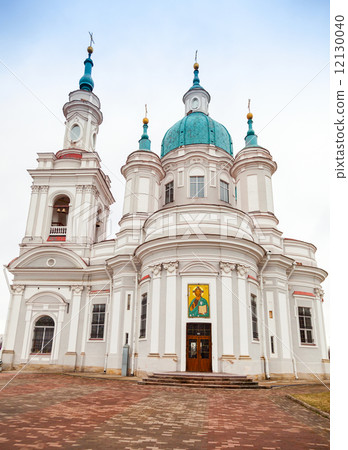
196 128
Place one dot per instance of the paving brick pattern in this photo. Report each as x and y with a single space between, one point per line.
39 411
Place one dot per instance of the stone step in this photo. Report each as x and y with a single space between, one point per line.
203 375
201 385
194 381
187 377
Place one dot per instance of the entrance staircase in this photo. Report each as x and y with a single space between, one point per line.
200 380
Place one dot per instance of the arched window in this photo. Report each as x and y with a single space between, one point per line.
60 216
43 335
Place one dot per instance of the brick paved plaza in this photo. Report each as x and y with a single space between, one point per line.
60 411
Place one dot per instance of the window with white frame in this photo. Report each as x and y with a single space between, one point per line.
305 323
143 316
98 321
197 186
169 192
224 191
255 328
43 335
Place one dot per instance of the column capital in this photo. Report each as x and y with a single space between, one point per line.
44 189
226 267
35 189
17 289
319 293
171 267
156 269
76 289
242 270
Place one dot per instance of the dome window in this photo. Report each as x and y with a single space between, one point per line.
195 103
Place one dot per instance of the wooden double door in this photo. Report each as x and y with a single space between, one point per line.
198 347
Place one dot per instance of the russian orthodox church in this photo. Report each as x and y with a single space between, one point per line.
198 279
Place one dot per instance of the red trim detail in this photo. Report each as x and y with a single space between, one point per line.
56 238
145 277
299 264
70 156
249 276
14 259
309 294
98 292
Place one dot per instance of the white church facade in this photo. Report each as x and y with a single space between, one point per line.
199 277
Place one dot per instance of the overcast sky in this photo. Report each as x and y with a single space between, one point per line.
275 53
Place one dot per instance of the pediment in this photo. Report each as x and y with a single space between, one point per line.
49 259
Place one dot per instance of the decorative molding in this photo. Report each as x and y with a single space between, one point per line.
156 269
319 292
226 267
17 288
35 189
80 188
44 189
242 270
77 289
171 266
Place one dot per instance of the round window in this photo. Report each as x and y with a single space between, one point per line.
75 133
51 262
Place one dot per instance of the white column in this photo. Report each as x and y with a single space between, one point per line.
171 305
58 333
115 323
227 309
85 321
75 215
284 324
26 347
243 311
32 211
11 328
319 293
155 308
41 212
75 314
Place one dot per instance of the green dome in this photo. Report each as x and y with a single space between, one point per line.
196 128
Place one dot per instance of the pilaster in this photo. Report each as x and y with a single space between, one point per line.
226 270
29 232
242 273
171 306
41 211
155 309
319 295
74 321
12 325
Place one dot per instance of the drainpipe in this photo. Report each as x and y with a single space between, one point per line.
289 319
267 375
135 315
108 319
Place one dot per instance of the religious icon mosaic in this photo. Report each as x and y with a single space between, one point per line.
198 300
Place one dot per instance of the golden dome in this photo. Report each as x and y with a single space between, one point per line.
145 120
249 116
196 66
90 49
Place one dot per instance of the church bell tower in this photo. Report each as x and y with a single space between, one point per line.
71 195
